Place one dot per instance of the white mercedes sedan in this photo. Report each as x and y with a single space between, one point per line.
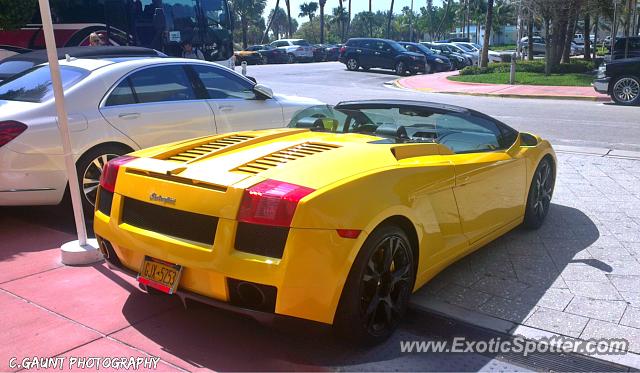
116 106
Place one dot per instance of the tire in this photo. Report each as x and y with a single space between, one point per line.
540 193
626 90
265 60
291 58
352 64
401 69
428 69
375 298
89 168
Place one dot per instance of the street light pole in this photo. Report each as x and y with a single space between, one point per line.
82 251
614 29
411 24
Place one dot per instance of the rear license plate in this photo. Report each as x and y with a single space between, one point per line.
160 275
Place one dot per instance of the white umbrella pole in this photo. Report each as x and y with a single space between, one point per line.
80 251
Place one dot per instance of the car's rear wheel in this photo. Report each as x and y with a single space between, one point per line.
540 193
626 90
377 291
400 68
291 58
89 168
352 64
427 68
265 60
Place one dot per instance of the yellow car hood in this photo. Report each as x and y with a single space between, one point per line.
298 156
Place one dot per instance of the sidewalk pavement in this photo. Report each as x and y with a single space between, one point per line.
438 83
578 276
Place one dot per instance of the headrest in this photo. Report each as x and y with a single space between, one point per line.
392 130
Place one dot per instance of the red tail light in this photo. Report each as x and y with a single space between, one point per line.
9 130
110 172
343 49
271 202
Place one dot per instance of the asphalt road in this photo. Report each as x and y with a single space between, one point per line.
567 122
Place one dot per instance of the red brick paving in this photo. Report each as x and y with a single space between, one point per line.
50 310
438 83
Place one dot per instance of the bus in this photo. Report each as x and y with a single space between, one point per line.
163 25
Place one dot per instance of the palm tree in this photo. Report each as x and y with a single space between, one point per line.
308 10
484 61
288 3
322 4
349 20
266 31
389 20
247 11
370 20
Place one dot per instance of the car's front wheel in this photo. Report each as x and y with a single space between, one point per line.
540 193
400 68
291 58
626 90
352 64
427 68
377 291
89 168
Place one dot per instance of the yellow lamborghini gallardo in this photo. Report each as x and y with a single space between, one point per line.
336 219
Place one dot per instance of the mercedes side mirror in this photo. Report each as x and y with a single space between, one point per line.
262 92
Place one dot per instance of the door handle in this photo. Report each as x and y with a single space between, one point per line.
359 50
377 53
129 115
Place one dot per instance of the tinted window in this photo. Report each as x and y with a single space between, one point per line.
35 85
162 83
300 42
121 95
14 67
220 84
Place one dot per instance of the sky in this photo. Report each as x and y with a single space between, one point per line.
357 6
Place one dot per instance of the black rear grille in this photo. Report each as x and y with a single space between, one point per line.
172 222
262 240
105 199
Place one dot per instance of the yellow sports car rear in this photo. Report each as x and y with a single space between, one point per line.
336 219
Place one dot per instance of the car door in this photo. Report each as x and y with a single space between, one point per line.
235 104
490 181
383 55
157 105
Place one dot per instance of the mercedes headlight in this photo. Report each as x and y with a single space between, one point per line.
439 60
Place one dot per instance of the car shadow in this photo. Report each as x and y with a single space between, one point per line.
519 273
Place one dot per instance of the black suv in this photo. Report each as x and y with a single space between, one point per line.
381 53
621 46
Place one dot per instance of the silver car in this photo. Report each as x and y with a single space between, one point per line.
116 106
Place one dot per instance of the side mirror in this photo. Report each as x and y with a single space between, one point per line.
263 92
527 139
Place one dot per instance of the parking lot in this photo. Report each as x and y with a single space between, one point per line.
578 276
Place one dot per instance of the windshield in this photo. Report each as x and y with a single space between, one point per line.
464 47
405 124
35 85
300 42
424 49
396 46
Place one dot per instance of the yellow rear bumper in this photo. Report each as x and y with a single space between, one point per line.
309 278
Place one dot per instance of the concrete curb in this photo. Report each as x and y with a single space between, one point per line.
397 84
435 306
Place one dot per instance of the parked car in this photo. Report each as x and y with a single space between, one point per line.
367 53
474 57
539 46
435 63
459 61
250 57
632 48
337 220
319 53
298 50
333 51
620 79
269 54
477 48
24 61
116 106
10 51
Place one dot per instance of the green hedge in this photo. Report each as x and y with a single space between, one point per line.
536 66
